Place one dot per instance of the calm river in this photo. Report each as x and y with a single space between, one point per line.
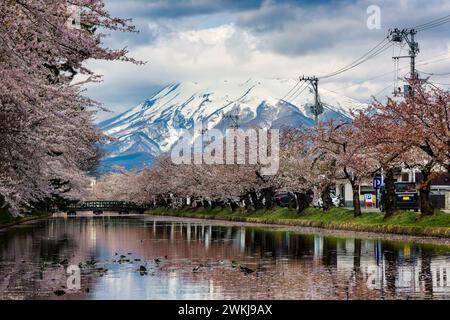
164 258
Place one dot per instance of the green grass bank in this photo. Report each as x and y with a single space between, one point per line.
6 220
402 222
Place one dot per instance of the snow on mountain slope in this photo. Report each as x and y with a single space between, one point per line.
154 126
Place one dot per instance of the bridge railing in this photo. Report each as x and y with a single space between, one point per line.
92 205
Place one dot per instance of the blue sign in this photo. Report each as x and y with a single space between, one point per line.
376 183
368 198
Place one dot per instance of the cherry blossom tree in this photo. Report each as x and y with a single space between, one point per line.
379 143
337 141
299 167
418 128
49 140
119 186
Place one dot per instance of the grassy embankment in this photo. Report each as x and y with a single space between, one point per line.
6 220
403 222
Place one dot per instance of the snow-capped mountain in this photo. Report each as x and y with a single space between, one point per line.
154 126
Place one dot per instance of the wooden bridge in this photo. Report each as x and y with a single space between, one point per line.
97 207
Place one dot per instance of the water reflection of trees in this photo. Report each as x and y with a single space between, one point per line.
425 274
286 264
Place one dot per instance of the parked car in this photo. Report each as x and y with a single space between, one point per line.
281 199
406 196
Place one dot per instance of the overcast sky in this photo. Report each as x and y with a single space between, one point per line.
207 40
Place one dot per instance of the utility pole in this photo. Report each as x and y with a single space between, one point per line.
407 35
317 108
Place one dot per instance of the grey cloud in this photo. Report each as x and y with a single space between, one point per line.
315 31
119 98
275 21
294 29
268 18
159 9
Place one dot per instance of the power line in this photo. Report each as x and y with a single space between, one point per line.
341 94
431 62
288 93
379 48
370 54
434 26
431 22
382 90
421 63
395 35
299 93
296 91
439 55
365 80
337 91
434 23
435 74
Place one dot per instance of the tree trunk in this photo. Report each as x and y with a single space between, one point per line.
358 274
3 206
389 198
425 274
256 202
391 270
326 198
357 256
223 204
426 208
289 200
183 202
161 202
356 203
233 205
268 196
302 201
247 201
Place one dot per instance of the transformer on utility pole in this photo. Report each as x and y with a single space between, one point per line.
407 35
317 108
